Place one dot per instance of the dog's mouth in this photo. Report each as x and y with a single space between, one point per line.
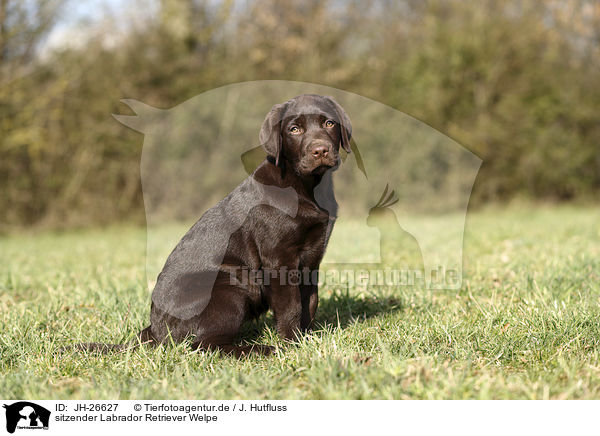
317 167
320 170
323 165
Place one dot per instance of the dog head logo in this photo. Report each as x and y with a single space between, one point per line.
26 415
195 153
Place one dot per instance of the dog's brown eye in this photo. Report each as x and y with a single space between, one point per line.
329 123
294 129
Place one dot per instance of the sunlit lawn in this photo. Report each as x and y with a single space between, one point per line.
525 324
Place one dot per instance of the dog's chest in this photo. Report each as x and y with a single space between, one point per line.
314 239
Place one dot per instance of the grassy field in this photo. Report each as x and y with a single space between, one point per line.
525 325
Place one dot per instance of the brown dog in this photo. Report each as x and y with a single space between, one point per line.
261 246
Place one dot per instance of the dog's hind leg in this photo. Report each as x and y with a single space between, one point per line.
220 324
145 337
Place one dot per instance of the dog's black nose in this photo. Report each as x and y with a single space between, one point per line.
319 151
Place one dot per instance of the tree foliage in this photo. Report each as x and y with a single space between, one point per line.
516 82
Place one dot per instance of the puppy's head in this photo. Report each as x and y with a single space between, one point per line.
306 132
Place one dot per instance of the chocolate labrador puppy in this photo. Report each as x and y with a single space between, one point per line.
261 246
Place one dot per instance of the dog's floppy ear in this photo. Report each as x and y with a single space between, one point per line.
345 125
270 132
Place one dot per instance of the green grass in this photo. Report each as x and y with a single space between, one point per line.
526 323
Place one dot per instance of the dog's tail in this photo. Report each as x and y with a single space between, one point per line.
144 337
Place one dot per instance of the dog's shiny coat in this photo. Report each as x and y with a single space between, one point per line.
199 293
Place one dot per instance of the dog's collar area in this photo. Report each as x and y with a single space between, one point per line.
273 160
